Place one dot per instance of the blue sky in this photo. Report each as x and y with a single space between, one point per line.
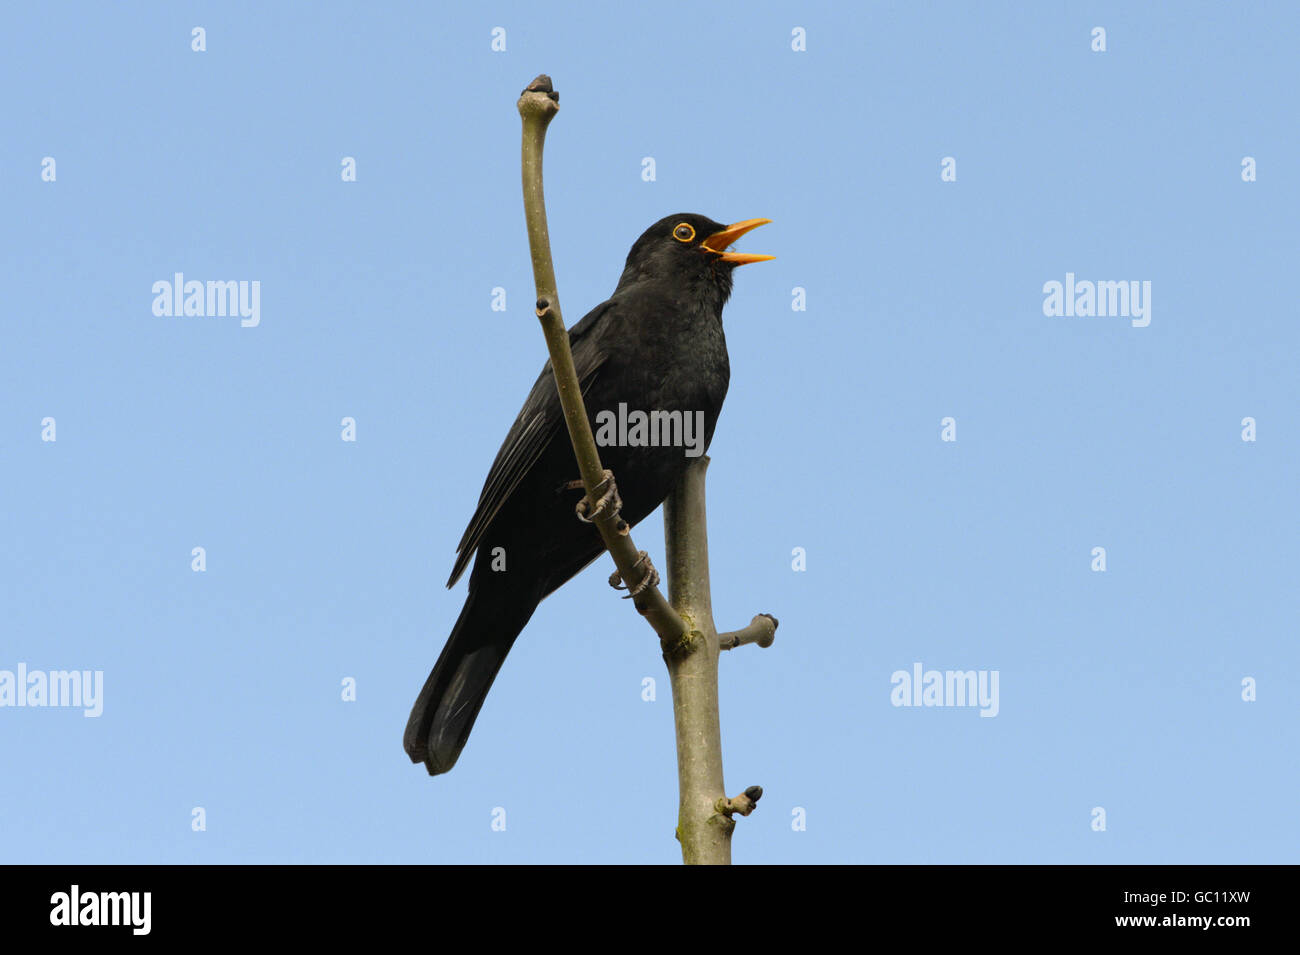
1119 689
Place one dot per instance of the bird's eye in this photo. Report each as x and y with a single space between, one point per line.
684 232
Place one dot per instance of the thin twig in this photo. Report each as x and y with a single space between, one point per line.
537 107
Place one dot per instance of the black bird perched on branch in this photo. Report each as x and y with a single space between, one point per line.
656 348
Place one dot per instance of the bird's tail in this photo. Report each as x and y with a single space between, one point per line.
445 711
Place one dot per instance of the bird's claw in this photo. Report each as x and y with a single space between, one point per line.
607 503
650 578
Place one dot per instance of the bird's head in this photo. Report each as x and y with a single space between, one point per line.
687 248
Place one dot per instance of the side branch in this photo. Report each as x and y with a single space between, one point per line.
743 804
761 630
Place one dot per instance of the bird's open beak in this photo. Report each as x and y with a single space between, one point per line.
719 241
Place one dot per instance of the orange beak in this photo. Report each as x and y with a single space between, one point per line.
719 241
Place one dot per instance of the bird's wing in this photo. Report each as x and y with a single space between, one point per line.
538 424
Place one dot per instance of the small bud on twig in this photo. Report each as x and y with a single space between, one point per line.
742 805
761 630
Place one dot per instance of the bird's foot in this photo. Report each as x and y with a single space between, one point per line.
608 503
649 578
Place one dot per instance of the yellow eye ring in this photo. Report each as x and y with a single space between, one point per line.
684 232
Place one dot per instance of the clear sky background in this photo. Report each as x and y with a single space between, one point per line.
325 559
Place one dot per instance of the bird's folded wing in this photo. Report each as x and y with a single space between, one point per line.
539 423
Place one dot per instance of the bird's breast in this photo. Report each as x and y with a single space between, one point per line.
656 402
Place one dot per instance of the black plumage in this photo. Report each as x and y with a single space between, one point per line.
656 345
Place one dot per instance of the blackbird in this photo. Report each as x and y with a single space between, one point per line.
655 347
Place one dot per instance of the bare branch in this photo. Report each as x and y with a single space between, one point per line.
538 105
703 830
686 630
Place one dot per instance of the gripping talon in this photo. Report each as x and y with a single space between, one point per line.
650 577
608 502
